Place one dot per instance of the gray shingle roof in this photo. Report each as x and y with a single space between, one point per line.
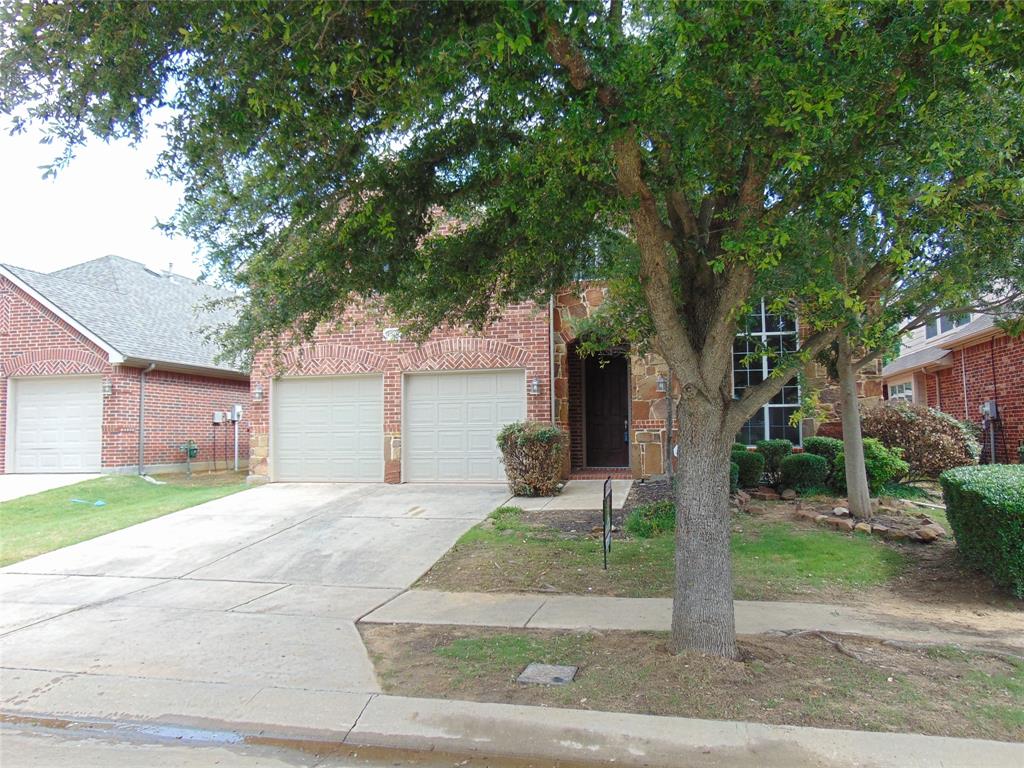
144 315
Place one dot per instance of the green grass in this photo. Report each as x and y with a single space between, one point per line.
770 560
50 520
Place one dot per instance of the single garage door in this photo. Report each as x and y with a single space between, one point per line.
451 422
57 424
329 429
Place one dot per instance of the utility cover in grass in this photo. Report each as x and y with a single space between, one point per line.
547 674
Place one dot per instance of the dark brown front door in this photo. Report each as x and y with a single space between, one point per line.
606 381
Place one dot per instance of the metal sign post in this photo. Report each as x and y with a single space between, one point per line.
606 521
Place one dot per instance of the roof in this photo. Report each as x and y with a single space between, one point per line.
934 355
144 316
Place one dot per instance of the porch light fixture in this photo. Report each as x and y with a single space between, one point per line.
662 384
534 386
108 387
257 393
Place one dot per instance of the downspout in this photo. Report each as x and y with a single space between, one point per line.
551 359
142 416
938 392
963 377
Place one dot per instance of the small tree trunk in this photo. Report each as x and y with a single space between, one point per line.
702 611
857 492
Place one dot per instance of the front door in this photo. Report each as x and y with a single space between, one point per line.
606 382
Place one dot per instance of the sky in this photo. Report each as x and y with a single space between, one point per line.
102 203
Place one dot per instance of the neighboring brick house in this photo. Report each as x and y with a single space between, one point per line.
82 348
958 365
360 403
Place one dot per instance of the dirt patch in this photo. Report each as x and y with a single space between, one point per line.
781 680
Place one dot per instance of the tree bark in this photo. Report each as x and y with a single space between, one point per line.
857 493
702 612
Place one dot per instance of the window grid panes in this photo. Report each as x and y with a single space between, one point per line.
777 333
945 324
902 391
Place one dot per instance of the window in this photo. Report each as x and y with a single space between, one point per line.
903 391
778 334
945 324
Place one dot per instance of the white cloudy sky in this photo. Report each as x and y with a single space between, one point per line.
103 203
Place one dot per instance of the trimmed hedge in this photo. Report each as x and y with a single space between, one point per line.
985 507
829 447
801 471
774 451
532 453
884 466
750 467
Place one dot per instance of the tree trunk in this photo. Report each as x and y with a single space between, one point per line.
702 612
857 492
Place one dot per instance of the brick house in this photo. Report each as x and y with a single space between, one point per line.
91 353
957 365
358 402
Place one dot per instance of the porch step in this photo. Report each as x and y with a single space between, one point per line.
600 473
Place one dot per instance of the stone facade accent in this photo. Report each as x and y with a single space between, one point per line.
179 406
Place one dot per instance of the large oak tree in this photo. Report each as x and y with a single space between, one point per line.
318 142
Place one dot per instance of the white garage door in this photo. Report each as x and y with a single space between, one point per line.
329 429
57 424
451 422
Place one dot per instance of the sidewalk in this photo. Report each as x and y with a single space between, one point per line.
655 614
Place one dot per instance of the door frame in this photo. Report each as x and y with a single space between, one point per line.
629 410
11 421
448 371
274 393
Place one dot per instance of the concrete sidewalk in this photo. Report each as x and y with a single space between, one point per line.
15 486
577 494
655 614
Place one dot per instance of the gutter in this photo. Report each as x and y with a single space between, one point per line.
142 416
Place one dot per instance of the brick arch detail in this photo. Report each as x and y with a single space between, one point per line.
464 352
57 362
327 359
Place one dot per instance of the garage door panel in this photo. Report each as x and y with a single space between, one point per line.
57 424
329 429
451 422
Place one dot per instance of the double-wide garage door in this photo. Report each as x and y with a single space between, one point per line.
332 428
56 423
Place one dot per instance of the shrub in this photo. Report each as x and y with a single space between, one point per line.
774 451
649 520
883 466
739 447
985 507
532 453
828 448
734 477
751 467
804 470
932 441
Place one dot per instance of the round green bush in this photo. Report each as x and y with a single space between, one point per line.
774 451
828 448
734 477
649 520
751 468
801 471
884 465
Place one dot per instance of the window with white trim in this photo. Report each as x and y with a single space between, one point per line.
945 324
903 391
777 333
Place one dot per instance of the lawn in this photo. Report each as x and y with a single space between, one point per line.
771 560
800 680
50 520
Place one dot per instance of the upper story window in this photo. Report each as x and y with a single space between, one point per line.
776 333
945 324
903 391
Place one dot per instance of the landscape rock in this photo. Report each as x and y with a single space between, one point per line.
840 512
929 533
756 509
862 527
789 494
841 523
764 494
807 514
879 530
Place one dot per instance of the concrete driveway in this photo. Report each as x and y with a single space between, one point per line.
243 607
16 486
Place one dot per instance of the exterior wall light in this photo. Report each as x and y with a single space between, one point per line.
108 387
257 393
662 384
534 386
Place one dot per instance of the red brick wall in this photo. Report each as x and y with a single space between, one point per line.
994 371
35 342
520 338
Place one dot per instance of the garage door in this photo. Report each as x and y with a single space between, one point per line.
451 421
329 429
57 424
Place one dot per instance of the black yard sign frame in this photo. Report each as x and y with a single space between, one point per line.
606 520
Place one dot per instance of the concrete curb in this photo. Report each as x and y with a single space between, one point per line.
578 736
